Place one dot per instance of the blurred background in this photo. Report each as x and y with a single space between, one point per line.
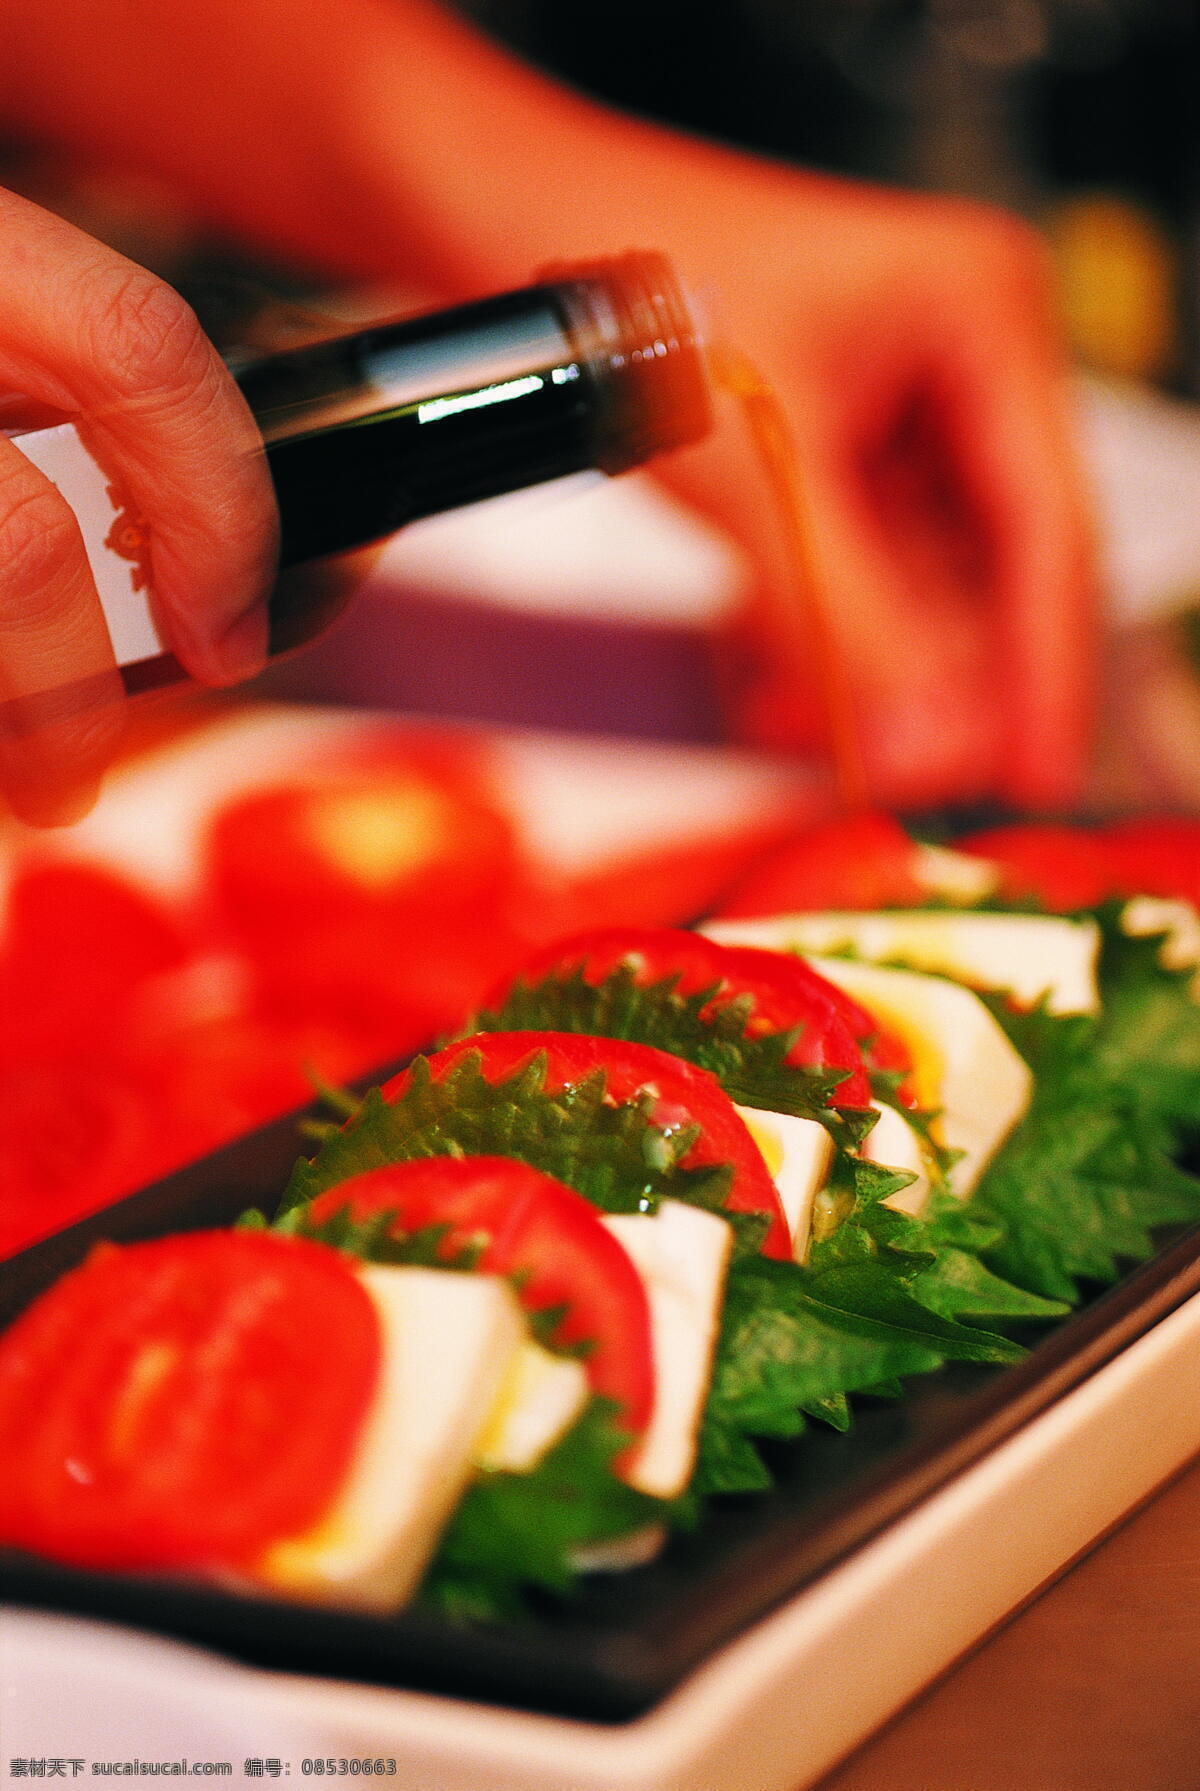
1082 115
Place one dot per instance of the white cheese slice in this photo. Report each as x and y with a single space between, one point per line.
620 1553
963 1063
958 876
542 1395
1145 915
681 1254
1027 955
448 1339
894 1144
798 1153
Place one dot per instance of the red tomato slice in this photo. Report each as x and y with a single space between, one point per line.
542 1232
1156 857
666 886
684 1096
76 1136
783 984
185 1402
785 992
346 849
383 900
78 942
1064 867
857 861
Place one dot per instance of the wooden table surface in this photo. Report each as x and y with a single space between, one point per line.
1094 1687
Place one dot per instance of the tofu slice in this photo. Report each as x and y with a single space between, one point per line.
542 1396
1027 955
682 1254
448 1342
798 1153
963 1063
958 876
894 1144
620 1553
1144 915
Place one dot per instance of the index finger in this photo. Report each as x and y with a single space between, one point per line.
92 335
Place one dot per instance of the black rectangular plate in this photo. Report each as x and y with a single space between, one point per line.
624 1640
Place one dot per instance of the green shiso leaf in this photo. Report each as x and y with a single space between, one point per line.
1074 1192
612 1154
797 1340
1086 1176
959 1286
513 1532
753 1070
1148 1037
1080 1184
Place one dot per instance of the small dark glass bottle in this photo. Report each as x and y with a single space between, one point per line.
597 366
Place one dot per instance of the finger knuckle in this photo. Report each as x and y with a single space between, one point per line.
146 341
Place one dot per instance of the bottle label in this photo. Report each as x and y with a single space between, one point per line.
115 540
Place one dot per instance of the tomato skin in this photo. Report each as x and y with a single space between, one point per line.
684 1095
859 861
1064 867
542 1232
785 992
78 943
786 989
77 1135
1157 856
185 1402
381 899
665 886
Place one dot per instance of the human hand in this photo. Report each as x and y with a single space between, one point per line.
949 554
86 335
913 349
911 341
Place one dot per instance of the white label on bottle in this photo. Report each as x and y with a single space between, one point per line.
114 539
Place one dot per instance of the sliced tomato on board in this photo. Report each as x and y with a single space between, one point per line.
382 900
536 1229
663 886
357 844
183 1403
783 984
77 943
1064 867
683 1096
836 1033
1156 856
77 1135
858 861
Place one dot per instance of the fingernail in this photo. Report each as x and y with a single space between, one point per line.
241 651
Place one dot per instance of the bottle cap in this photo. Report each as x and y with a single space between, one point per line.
630 326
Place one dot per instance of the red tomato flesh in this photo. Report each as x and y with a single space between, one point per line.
856 861
1156 856
785 992
683 1096
184 1403
78 943
1064 867
1074 867
541 1232
76 1136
